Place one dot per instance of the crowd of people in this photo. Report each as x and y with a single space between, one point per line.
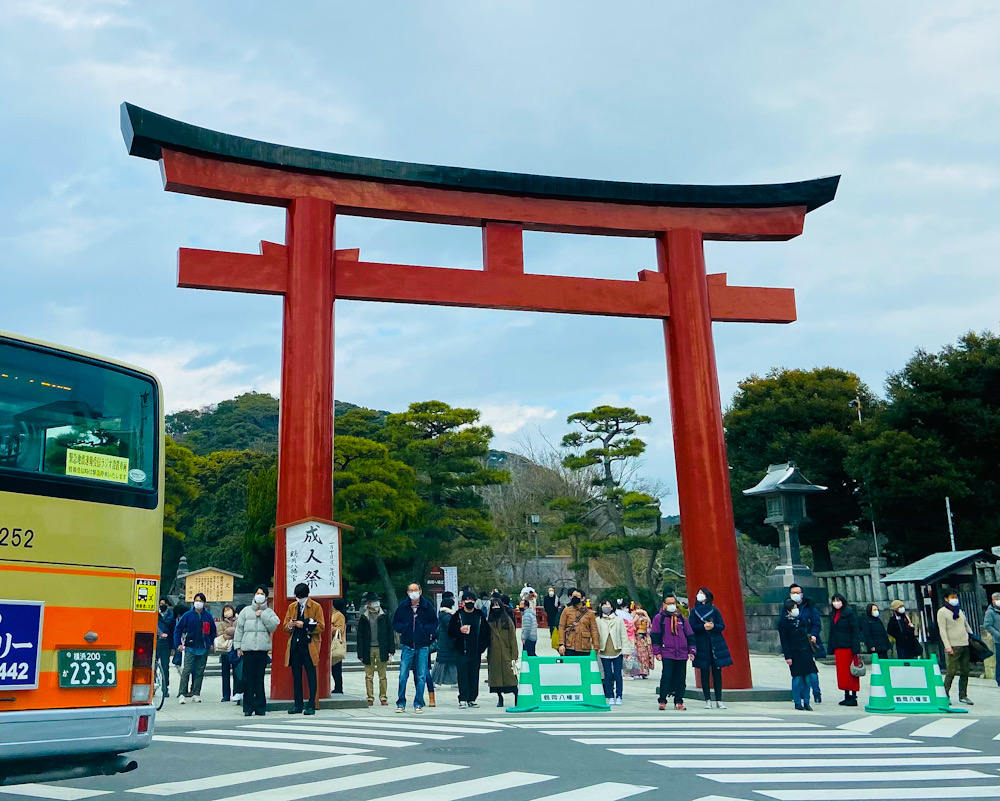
623 635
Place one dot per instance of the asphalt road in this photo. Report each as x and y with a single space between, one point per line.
718 755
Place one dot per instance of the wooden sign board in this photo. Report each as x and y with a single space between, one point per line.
217 586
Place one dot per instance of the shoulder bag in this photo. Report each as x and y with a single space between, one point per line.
338 648
858 668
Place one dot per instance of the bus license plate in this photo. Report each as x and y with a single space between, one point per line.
88 669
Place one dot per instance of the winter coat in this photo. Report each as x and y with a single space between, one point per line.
874 635
668 645
529 625
502 654
227 630
312 611
578 629
165 623
794 636
338 622
254 633
844 630
384 639
195 630
905 634
951 631
810 617
614 628
551 605
711 645
473 644
415 629
447 653
991 623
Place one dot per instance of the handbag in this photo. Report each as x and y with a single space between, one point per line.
858 668
979 651
338 648
222 645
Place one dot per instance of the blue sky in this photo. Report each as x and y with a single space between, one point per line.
901 98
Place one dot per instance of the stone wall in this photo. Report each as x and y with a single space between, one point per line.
762 628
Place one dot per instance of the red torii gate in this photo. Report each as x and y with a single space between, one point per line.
314 187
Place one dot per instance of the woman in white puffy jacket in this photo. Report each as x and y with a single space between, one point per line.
612 639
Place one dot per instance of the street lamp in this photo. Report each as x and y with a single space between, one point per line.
533 521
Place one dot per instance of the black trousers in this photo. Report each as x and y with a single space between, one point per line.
163 657
337 673
468 678
716 673
528 646
254 666
571 652
672 680
299 660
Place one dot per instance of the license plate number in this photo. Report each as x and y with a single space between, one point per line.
88 669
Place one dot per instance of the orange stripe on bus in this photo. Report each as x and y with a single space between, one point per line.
72 571
50 695
65 627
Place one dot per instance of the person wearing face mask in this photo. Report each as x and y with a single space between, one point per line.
713 653
529 627
338 645
901 629
194 635
577 627
226 626
673 643
165 623
416 623
991 625
471 634
376 645
305 621
503 651
797 648
255 626
954 631
445 671
810 617
643 647
552 609
612 638
845 642
873 632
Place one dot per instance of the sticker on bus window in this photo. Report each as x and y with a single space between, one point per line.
20 644
88 464
145 595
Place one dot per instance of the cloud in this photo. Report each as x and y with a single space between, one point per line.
508 418
74 15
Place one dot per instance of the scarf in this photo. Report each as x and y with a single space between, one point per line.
955 610
673 622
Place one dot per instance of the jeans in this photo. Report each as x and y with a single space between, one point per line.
468 677
254 666
194 666
672 680
415 659
813 681
528 646
958 663
298 661
163 657
800 689
612 679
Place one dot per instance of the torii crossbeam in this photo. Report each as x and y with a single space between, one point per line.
314 187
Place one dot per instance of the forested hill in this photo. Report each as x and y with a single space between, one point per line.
247 422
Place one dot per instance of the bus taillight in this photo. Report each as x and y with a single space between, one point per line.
142 668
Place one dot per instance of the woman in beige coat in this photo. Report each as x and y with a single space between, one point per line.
612 635
503 651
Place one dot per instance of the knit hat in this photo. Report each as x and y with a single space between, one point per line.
369 597
897 605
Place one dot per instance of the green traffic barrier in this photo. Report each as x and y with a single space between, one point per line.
560 684
909 686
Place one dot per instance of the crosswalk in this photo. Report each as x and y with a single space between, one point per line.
795 759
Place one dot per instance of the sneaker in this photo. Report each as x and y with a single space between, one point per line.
418 710
618 701
371 702
226 700
237 698
662 706
680 707
967 701
181 699
461 704
197 699
708 705
473 704
807 708
309 710
400 709
818 699
609 701
800 707
385 703
295 710
720 705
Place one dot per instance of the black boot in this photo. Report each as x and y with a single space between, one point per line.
847 699
853 700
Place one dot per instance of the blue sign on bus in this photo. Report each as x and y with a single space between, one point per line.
20 644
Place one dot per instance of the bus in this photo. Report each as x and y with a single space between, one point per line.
81 528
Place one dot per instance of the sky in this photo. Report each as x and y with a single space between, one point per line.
900 98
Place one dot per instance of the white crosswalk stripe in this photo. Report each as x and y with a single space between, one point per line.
944 727
724 739
606 791
276 745
886 793
472 787
845 761
395 727
855 777
51 791
681 752
301 733
870 724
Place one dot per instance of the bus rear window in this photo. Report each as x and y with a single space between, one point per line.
72 418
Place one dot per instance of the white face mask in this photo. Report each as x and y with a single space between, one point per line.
375 606
302 601
606 610
797 597
701 597
260 600
413 595
199 605
793 612
552 593
953 601
875 613
901 610
837 604
671 608
996 603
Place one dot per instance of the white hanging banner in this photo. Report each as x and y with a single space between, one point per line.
451 580
312 557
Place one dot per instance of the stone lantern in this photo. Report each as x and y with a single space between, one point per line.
784 490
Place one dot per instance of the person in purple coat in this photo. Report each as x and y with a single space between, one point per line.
673 644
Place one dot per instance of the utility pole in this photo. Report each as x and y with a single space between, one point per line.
856 403
951 527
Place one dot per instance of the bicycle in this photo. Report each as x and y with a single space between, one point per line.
159 686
